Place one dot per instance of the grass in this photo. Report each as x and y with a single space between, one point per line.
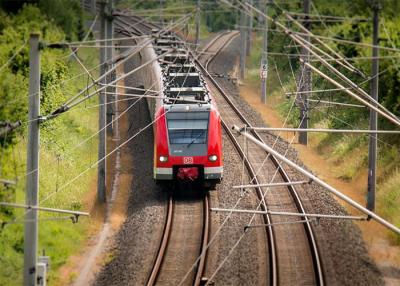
389 201
60 161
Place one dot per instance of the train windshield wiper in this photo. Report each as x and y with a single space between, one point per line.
197 137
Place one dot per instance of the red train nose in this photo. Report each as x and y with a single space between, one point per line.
189 173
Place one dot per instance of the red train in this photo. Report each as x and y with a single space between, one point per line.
187 124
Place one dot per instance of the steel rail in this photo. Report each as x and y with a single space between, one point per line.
204 242
163 246
252 173
157 266
266 217
318 270
233 35
207 57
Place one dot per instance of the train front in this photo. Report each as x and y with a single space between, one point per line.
188 146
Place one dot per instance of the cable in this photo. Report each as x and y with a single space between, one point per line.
65 106
14 55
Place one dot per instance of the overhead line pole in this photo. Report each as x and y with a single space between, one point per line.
32 165
373 118
101 169
109 56
305 78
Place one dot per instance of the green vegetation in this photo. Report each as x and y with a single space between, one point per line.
62 157
349 153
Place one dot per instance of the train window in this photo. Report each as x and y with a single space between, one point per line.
188 136
187 131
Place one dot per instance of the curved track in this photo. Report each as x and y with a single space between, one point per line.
186 229
294 255
215 46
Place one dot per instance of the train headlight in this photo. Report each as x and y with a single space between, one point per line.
163 159
213 158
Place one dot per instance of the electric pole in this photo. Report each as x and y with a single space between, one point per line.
109 55
264 59
197 23
249 25
101 169
305 78
243 39
32 165
373 120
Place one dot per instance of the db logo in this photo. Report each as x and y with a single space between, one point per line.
187 160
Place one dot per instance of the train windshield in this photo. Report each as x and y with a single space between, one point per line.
187 127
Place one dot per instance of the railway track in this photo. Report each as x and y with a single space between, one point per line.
215 46
186 229
294 255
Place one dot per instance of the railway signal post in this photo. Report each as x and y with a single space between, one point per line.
373 121
32 165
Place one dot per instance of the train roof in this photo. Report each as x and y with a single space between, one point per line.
188 108
183 83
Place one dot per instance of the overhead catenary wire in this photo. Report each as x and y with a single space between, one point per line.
77 43
365 102
307 45
74 219
336 103
324 130
328 16
282 213
149 90
64 107
87 35
54 210
14 55
339 40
